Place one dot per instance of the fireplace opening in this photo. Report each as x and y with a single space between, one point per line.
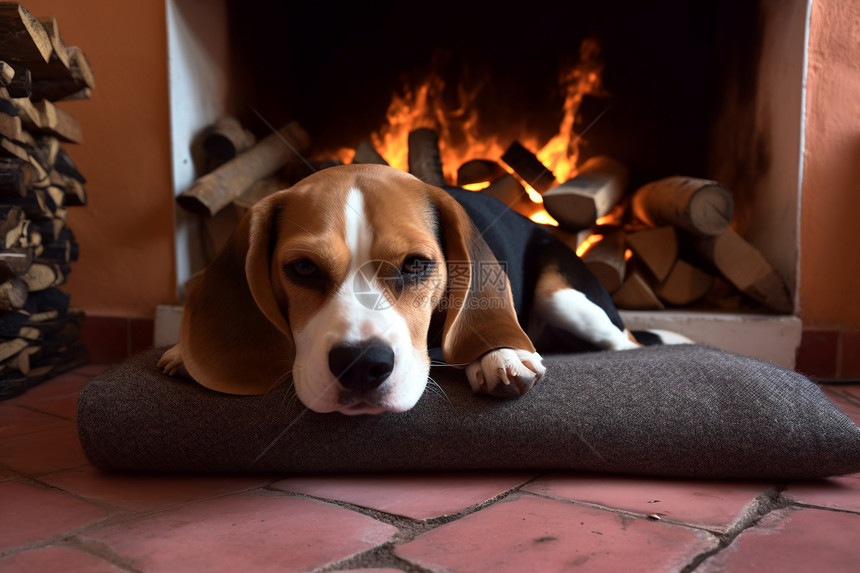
709 90
666 68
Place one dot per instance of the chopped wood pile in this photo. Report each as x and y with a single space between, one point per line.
668 244
39 332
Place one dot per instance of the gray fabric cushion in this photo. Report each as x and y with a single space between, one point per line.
683 411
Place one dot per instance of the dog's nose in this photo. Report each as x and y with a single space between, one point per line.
361 366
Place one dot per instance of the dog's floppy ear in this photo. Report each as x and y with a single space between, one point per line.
480 313
234 336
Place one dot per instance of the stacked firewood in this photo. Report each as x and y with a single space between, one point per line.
39 332
669 243
238 171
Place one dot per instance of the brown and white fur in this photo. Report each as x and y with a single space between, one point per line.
340 282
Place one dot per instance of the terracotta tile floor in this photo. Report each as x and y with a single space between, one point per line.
57 513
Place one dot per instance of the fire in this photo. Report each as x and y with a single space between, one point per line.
476 186
457 127
589 242
560 153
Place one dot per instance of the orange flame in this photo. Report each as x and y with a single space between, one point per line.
459 137
560 153
589 242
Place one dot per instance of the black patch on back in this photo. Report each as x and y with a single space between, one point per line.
523 248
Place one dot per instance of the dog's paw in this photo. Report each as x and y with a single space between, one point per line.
505 372
171 362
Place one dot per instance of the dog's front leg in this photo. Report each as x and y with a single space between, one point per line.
505 372
171 362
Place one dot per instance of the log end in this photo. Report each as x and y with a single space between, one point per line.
711 210
636 294
608 274
194 204
574 212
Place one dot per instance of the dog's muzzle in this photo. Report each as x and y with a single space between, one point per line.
361 366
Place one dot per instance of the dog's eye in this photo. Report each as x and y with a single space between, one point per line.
416 265
303 269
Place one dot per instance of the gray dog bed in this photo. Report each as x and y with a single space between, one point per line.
680 411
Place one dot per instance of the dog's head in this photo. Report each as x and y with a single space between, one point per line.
334 282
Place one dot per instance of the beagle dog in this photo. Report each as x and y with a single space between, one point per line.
343 281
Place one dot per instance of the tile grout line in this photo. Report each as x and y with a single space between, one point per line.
769 501
38 411
408 529
117 516
792 503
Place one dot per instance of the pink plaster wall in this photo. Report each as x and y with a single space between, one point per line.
830 211
126 265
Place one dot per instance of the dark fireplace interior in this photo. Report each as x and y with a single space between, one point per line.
669 68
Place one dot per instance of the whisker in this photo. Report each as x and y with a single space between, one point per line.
290 397
438 363
279 380
433 387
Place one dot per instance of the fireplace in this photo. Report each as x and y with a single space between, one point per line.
711 90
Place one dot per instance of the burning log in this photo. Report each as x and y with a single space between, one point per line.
510 192
528 167
606 259
573 240
227 138
656 248
425 161
685 284
747 269
479 171
597 187
214 191
701 207
636 294
366 153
